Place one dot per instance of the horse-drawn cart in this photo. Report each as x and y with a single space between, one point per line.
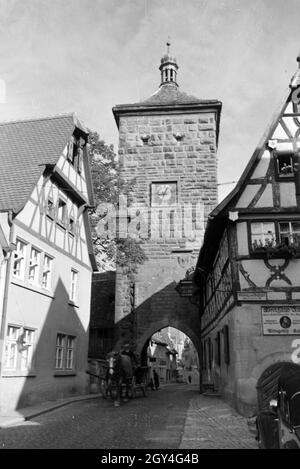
136 383
139 381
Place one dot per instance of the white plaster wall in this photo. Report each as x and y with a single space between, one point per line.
289 121
34 215
247 195
262 166
242 238
279 133
254 352
266 199
287 194
257 271
49 312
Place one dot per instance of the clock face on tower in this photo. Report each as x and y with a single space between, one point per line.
163 193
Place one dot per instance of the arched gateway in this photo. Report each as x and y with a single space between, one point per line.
167 153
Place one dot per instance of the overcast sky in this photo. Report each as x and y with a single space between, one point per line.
86 56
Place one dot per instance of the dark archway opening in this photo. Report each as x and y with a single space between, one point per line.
172 354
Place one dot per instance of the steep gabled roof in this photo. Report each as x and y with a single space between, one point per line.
26 146
254 158
218 217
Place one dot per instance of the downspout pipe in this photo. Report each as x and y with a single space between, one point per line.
6 287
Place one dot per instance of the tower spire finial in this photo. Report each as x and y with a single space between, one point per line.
168 45
168 67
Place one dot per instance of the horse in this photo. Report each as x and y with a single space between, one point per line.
119 372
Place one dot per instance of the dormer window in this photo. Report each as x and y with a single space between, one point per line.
284 164
75 153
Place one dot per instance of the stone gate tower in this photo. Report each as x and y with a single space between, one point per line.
168 148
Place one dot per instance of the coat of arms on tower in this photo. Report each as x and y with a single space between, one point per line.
184 261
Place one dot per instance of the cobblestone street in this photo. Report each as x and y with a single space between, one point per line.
176 416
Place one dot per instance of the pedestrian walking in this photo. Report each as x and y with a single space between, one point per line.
156 380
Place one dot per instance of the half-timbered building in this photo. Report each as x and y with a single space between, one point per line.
45 192
247 273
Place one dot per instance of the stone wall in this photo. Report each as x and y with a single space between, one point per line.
150 152
191 160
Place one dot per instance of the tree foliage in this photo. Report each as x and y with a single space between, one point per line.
108 186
